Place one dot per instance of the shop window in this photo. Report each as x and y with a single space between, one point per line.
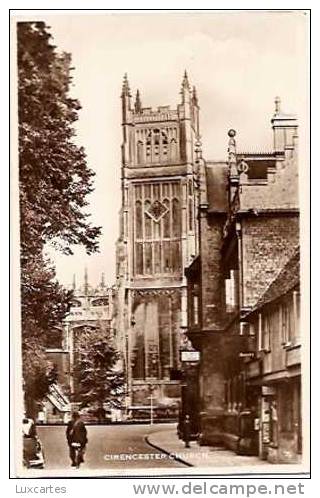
55 339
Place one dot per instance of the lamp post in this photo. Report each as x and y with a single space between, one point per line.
151 403
129 363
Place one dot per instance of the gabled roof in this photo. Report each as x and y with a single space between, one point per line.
287 279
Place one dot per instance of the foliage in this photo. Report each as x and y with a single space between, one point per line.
54 181
97 375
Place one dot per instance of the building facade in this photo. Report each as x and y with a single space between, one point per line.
92 308
157 240
248 231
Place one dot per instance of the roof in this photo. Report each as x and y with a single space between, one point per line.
287 279
217 181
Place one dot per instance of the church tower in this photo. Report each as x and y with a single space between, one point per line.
157 239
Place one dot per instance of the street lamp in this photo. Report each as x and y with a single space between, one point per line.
151 404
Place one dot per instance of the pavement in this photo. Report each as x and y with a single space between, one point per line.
166 440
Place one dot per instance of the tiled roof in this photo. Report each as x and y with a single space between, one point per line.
286 280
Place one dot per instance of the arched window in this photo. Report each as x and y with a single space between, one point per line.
138 220
176 218
140 152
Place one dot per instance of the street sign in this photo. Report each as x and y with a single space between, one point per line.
190 356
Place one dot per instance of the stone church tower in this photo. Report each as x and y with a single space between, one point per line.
157 240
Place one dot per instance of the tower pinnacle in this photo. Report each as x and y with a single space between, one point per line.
125 87
185 81
277 102
137 104
194 96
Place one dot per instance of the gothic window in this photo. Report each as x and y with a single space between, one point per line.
166 220
176 218
140 152
173 149
139 258
147 220
175 255
157 228
157 257
166 257
148 258
138 220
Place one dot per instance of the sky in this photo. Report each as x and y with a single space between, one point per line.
238 61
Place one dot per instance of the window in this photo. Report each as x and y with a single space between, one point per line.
266 332
173 150
166 220
148 258
286 322
258 170
232 291
139 152
176 218
195 305
139 258
138 220
296 313
147 221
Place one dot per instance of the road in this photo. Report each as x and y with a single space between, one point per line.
106 445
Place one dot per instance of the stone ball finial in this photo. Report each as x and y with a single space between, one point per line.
232 133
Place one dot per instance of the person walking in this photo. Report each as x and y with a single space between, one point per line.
77 439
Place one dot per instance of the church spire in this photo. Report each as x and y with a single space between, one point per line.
137 104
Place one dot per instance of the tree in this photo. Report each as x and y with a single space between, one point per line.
54 181
96 370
